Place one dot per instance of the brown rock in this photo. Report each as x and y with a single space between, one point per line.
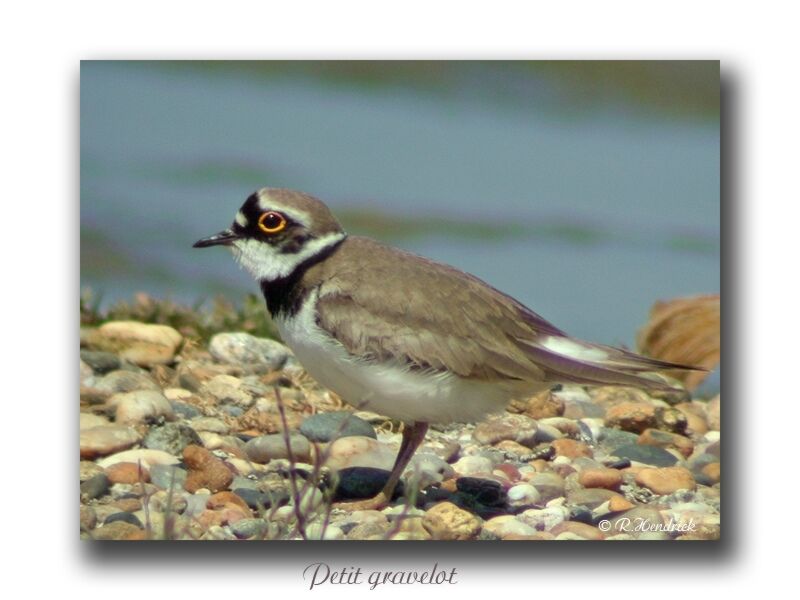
128 504
571 448
666 480
446 521
116 530
106 439
664 439
612 395
695 417
711 471
513 447
582 530
631 416
125 472
543 405
518 428
618 503
141 343
205 470
220 499
600 478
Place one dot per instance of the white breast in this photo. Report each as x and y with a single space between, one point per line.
388 389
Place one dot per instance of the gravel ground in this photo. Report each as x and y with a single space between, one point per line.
179 441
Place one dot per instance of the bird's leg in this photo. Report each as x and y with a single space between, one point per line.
413 435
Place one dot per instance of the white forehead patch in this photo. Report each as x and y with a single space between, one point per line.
265 202
240 219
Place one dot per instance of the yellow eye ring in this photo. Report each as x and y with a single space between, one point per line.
272 222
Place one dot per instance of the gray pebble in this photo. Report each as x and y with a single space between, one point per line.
325 427
650 455
171 438
95 487
125 381
250 528
162 476
264 448
101 362
245 348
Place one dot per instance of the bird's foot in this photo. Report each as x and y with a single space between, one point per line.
379 502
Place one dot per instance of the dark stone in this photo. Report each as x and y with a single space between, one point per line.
187 411
355 483
95 487
649 455
172 438
258 500
101 362
613 438
580 514
325 427
622 463
126 517
485 491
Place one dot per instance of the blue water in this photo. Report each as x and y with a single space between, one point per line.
168 155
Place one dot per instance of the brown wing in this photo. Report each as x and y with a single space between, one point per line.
391 308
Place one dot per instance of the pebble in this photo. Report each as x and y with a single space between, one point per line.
695 417
163 476
125 472
125 381
473 465
243 348
124 517
549 485
712 472
171 438
580 531
100 362
265 448
106 439
226 388
95 487
484 491
666 480
427 469
212 424
369 531
671 419
522 495
184 410
360 451
665 439
631 416
649 455
506 525
257 500
141 343
147 457
590 498
205 470
89 420
571 448
318 531
141 406
117 530
600 478
446 521
543 405
355 483
544 519
250 528
326 427
518 428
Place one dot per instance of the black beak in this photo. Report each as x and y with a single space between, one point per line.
223 238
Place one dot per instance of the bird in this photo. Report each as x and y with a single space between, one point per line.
401 335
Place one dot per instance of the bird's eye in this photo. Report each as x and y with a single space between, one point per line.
271 222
